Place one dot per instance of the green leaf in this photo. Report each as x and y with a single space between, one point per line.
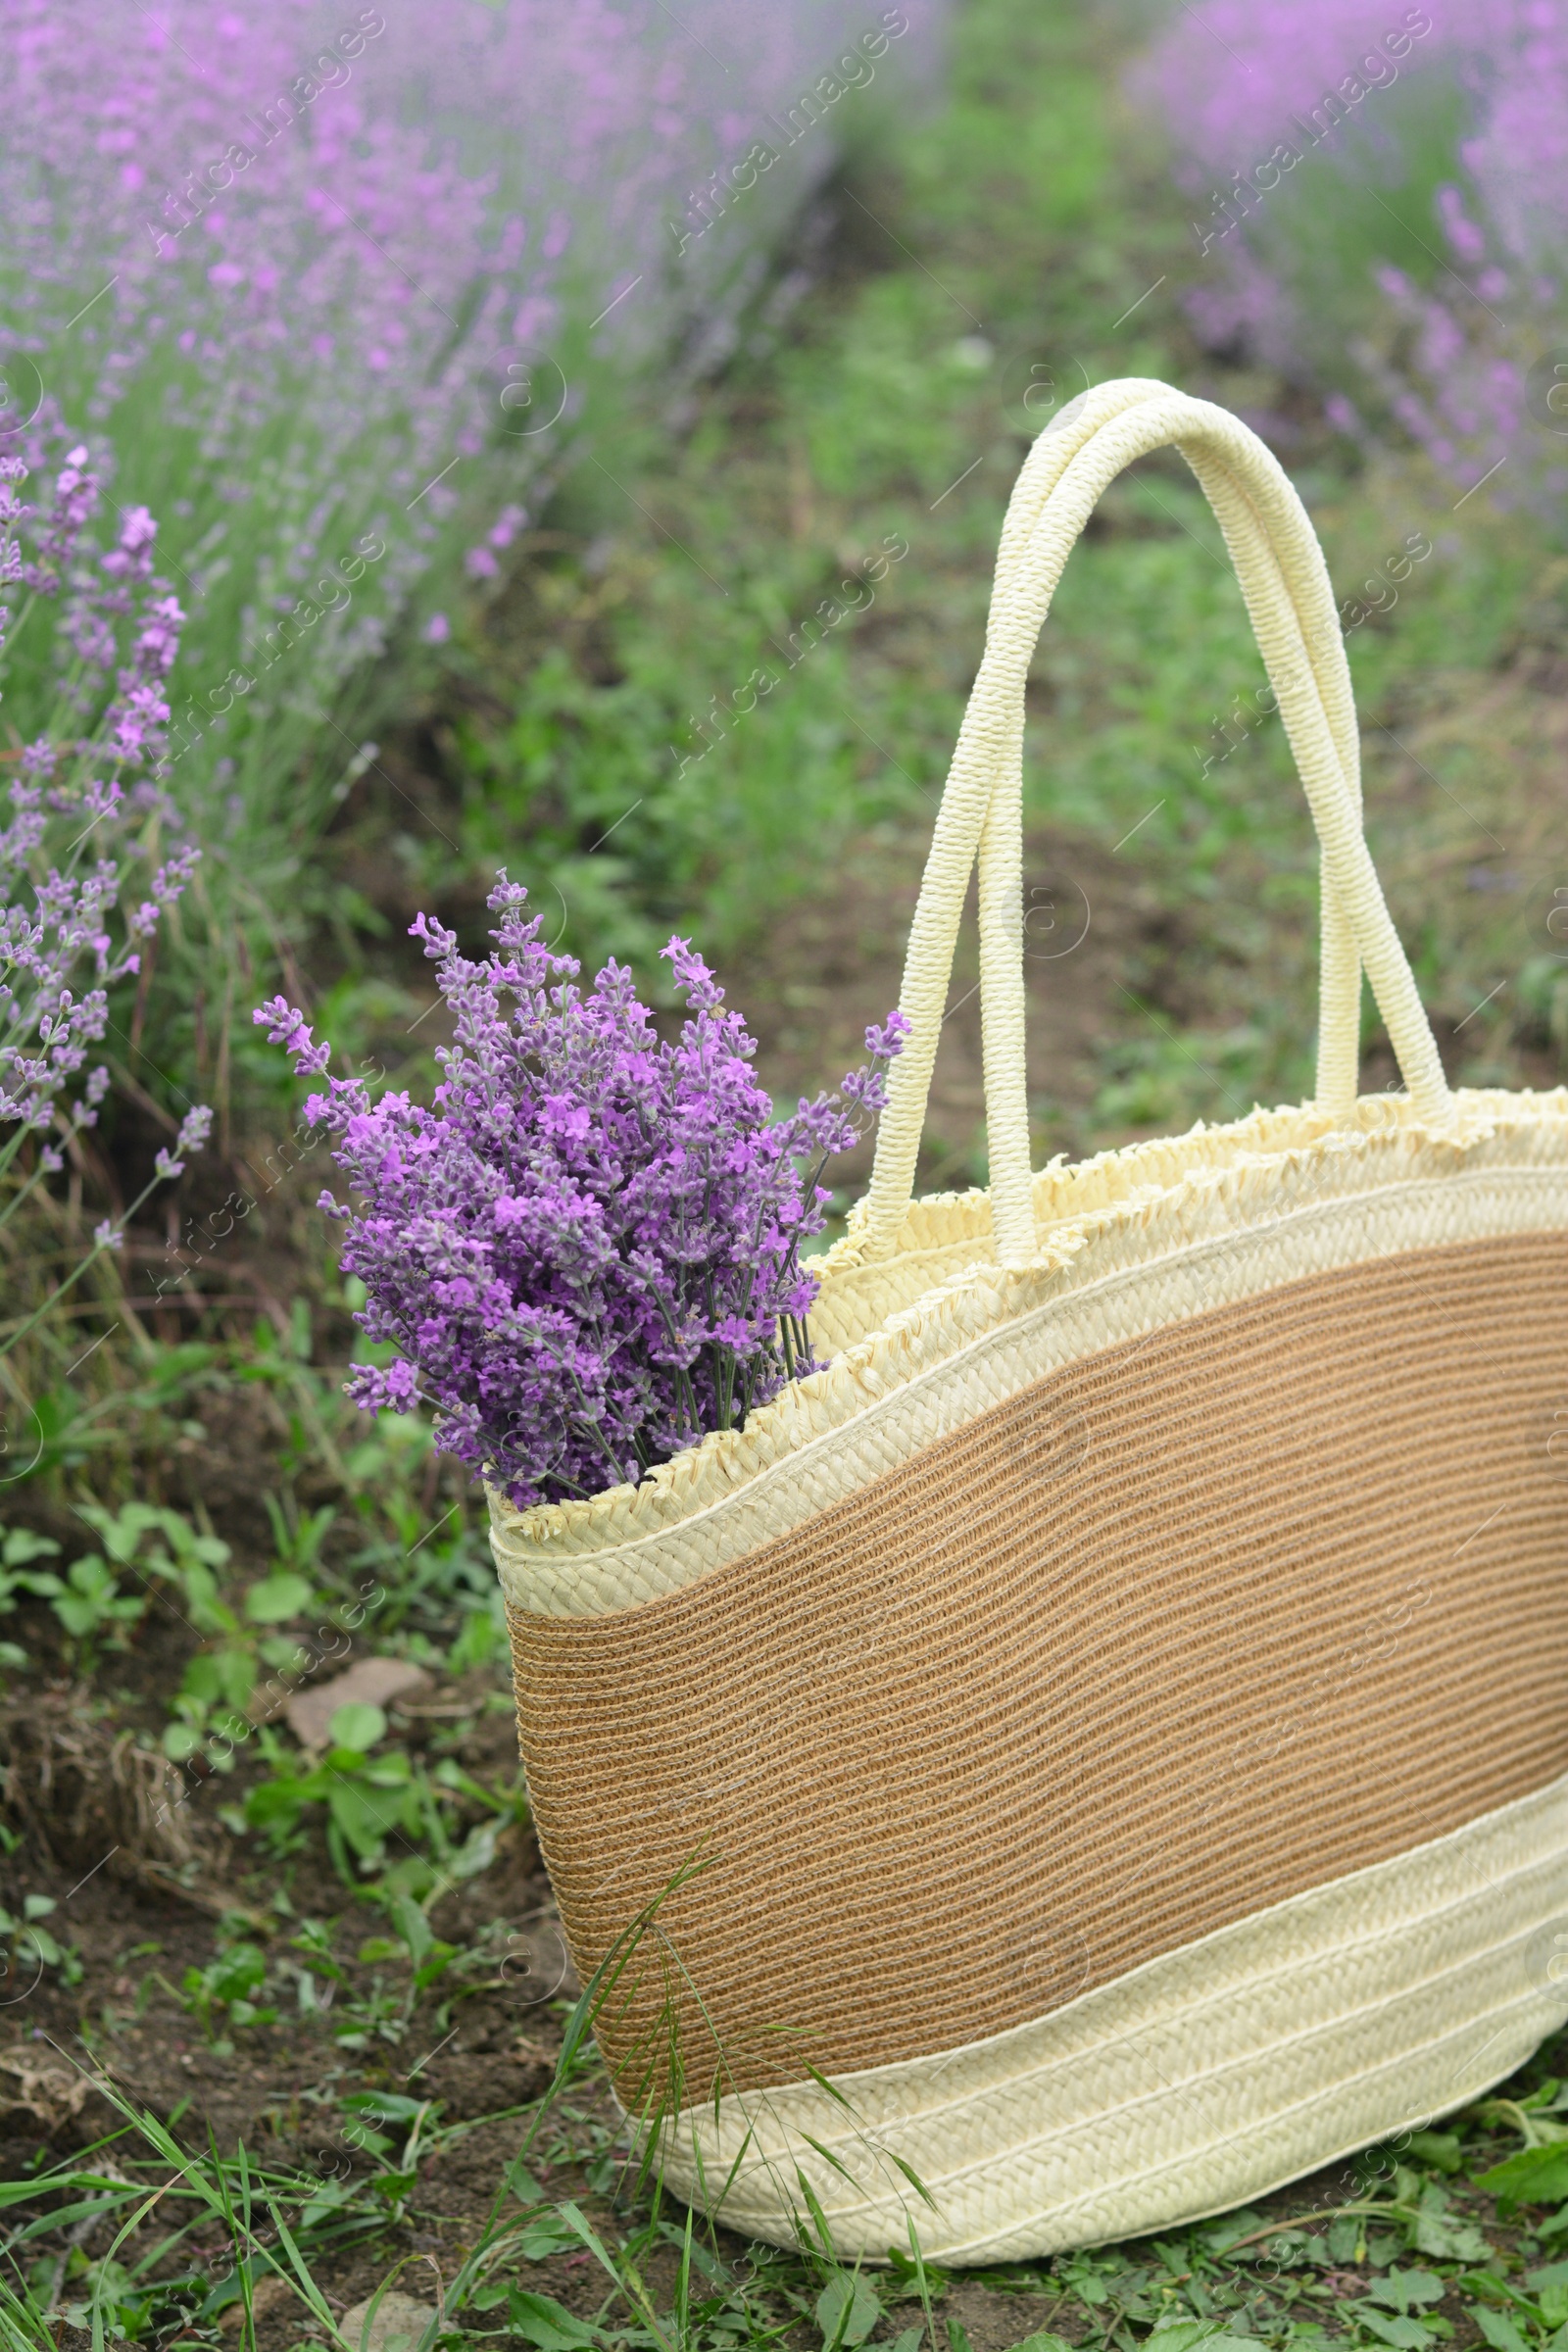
388 2106
238 1973
413 1928
543 2321
357 1726
1181 2336
1407 2334
1530 2177
1405 2289
279 1599
476 1853
1495 2325
21 1545
1441 2149
364 1821
847 2310
1042 2341
538 2240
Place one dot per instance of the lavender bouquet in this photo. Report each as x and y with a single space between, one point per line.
587 1253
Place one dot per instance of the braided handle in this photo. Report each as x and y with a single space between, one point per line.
1286 586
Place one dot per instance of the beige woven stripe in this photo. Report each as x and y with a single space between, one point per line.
1177 1632
1146 1245
1195 2082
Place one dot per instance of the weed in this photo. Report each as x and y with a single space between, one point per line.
221 1994
90 1603
31 1947
21 1545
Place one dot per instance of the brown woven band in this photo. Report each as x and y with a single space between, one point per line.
1186 1629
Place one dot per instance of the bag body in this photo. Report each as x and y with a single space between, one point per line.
1099 1749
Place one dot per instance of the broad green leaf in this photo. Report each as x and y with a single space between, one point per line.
1442 2149
847 2310
242 1971
477 1852
1530 2177
364 1821
357 1726
279 1599
1406 2289
1498 2328
1182 2335
1407 2334
413 1928
21 1544
546 2323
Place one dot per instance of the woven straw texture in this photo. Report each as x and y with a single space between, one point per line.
1225 1224
1197 2081
1117 1662
1021 1687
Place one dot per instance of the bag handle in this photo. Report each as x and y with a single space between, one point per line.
1286 586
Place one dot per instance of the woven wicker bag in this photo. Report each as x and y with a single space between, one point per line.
1101 1745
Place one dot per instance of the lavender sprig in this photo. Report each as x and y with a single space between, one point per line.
587 1253
74 908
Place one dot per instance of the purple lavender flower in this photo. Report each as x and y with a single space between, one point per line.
323 246
587 1253
76 841
1270 102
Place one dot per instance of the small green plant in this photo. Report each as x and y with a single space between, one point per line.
220 1681
375 1797
223 1994
89 1603
157 1543
87 1600
367 1799
19 1547
32 1949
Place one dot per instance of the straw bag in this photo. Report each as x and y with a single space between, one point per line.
1099 1749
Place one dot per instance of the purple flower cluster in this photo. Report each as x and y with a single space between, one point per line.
115 617
587 1253
1263 97
297 265
91 856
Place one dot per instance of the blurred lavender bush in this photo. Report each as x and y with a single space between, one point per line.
1381 197
329 290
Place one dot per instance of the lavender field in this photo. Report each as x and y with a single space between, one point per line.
496 495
